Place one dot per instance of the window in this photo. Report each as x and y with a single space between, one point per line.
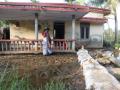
84 30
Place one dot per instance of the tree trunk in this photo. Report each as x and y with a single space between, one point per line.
116 27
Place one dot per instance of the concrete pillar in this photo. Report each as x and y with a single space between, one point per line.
36 26
73 32
36 31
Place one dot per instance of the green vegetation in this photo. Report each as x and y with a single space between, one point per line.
117 46
55 85
4 23
109 37
97 3
10 80
79 2
112 5
70 1
117 76
34 1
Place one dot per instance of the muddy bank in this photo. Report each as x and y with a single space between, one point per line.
41 68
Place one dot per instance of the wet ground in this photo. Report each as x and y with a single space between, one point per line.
41 68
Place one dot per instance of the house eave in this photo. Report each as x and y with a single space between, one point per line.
93 20
46 11
100 10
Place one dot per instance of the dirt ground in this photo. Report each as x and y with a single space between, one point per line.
41 68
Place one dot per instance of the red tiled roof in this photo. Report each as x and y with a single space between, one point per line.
94 20
43 6
100 10
52 6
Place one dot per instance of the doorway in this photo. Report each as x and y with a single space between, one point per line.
59 30
6 34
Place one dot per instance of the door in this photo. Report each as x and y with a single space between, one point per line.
6 33
59 30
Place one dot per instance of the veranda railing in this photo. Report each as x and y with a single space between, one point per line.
29 46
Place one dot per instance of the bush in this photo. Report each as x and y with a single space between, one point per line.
117 46
10 80
117 76
107 44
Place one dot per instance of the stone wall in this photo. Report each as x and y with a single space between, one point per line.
96 76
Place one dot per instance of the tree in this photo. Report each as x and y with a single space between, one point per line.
80 2
96 3
112 5
4 23
34 1
70 1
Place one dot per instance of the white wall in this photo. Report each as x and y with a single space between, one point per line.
94 15
26 31
96 29
77 32
68 30
96 32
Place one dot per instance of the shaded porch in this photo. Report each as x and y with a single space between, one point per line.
40 12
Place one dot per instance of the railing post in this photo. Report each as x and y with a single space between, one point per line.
36 45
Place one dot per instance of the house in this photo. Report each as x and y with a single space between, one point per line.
70 26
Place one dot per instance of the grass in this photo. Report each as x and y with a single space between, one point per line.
117 76
55 85
117 46
10 80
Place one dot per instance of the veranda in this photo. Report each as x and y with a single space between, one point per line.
39 12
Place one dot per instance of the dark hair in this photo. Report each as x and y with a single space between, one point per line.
46 29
